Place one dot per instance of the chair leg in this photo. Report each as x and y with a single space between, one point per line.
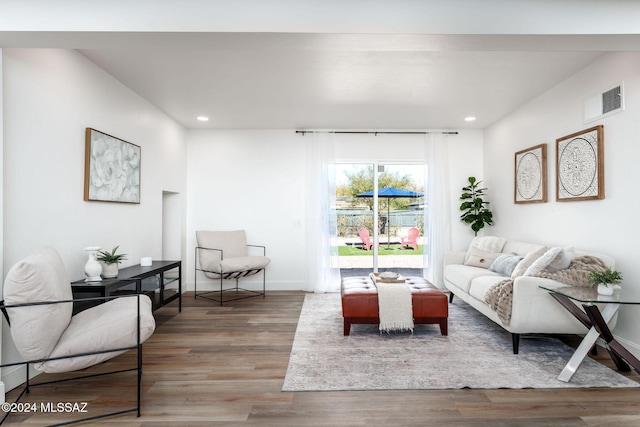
139 375
221 297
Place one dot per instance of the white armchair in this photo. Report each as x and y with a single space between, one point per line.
38 305
225 255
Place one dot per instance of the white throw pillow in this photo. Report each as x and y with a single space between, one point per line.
529 259
562 260
478 258
484 247
542 262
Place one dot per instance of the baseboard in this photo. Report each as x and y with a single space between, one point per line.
250 285
14 376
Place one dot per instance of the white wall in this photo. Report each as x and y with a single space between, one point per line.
50 97
606 226
251 180
255 180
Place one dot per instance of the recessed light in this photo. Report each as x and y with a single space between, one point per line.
470 119
203 118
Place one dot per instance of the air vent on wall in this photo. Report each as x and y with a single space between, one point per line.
605 103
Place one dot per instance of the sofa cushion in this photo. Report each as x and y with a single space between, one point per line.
529 259
488 243
462 275
505 264
111 325
480 285
521 248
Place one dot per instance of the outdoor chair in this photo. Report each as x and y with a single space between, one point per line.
38 305
367 243
222 255
412 238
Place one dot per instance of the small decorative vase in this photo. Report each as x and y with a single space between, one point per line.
92 268
604 289
109 271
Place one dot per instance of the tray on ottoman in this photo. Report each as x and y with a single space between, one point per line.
360 302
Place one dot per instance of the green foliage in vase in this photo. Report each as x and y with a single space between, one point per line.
606 277
475 208
111 257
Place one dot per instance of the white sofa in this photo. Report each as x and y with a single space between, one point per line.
467 276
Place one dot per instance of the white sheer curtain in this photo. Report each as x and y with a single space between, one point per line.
438 209
321 220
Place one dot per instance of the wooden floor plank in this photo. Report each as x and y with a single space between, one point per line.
224 366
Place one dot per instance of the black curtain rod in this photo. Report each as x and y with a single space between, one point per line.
375 132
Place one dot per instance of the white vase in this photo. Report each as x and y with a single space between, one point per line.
109 271
92 269
604 289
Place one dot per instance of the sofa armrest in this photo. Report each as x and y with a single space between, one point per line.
534 310
454 258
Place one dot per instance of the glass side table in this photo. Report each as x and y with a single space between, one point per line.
596 321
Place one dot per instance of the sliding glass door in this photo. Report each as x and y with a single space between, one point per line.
357 221
380 218
401 210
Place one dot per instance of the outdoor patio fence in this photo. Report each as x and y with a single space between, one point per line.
350 222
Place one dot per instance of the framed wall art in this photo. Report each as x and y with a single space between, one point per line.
530 178
580 165
112 169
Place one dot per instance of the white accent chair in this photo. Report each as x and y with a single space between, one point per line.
38 305
225 255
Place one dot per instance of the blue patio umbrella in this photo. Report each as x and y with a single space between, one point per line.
391 193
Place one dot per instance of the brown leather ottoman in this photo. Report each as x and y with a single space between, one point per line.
360 302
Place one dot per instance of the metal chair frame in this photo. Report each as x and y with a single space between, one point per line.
226 276
27 363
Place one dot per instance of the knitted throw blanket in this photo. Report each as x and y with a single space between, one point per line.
499 296
395 307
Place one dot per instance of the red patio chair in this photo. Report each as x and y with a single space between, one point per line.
367 243
411 239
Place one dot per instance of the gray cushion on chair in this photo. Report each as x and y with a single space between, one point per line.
39 277
234 250
103 327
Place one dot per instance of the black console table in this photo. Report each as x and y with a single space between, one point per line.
161 281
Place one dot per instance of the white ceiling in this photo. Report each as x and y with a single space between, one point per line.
374 78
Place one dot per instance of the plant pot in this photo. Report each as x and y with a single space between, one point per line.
109 271
604 289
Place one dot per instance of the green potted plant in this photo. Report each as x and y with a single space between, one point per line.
110 261
475 208
605 279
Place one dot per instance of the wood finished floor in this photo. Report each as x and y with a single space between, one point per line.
224 366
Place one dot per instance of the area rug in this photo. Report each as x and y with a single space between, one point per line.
477 353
